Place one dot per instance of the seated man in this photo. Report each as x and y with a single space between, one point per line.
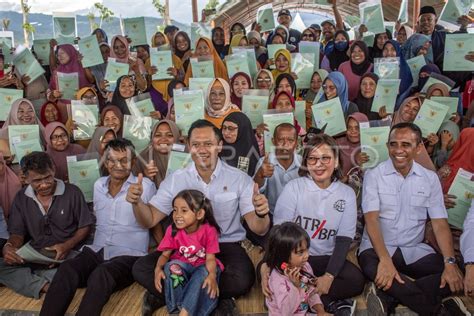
52 214
467 250
105 266
233 197
398 196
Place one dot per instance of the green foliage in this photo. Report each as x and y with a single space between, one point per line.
29 28
212 4
105 13
159 7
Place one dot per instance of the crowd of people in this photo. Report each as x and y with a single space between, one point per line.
308 202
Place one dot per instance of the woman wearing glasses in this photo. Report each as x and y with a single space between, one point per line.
326 208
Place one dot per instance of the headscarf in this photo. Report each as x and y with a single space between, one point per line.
13 119
408 30
172 85
287 55
291 81
335 56
220 71
99 133
104 35
179 53
234 98
43 113
73 66
244 31
342 90
365 104
451 127
82 91
60 157
117 113
413 45
310 94
289 47
362 68
347 149
155 35
429 68
228 105
437 86
221 49
260 50
244 146
272 82
118 100
405 72
236 41
461 157
160 160
293 105
375 51
397 116
125 59
9 186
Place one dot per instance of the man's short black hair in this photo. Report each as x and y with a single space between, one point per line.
170 29
121 144
413 127
37 161
202 124
285 125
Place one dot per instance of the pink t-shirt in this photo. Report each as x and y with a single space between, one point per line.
353 80
192 248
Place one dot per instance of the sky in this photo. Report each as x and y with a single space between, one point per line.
180 10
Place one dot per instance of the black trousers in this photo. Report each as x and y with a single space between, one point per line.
102 278
423 295
236 280
349 282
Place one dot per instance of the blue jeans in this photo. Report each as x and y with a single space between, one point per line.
186 291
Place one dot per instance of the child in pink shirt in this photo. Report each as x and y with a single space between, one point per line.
188 264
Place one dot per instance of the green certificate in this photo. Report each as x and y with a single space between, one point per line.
463 189
21 133
387 68
27 64
253 106
372 17
7 97
272 120
202 69
329 113
403 13
199 30
251 58
84 174
138 130
200 84
6 43
42 48
26 147
141 107
453 9
68 85
386 95
162 60
373 142
237 63
369 39
302 66
300 114
415 65
188 107
135 29
450 102
432 81
430 117
64 29
85 118
89 48
265 18
177 160
272 49
313 49
456 47
352 20
114 71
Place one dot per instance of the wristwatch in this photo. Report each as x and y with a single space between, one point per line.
450 260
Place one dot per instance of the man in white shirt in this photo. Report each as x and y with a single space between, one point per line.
467 250
398 196
233 197
105 266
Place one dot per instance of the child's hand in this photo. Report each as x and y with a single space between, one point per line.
159 275
212 288
294 275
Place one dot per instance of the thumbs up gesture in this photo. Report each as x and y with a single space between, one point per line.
260 202
151 170
135 190
267 168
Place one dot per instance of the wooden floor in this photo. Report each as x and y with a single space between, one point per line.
128 301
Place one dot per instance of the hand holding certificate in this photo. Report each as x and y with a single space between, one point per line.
135 30
141 107
114 71
430 117
202 69
68 85
163 61
371 14
386 95
415 65
89 48
84 174
7 97
189 107
265 18
21 133
26 64
42 49
456 48
330 113
463 188
450 102
302 66
272 119
137 130
64 28
86 119
373 142
254 103
177 160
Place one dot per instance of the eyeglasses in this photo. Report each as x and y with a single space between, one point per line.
314 160
92 98
55 138
330 88
47 226
264 80
308 35
123 161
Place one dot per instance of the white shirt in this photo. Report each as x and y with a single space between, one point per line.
467 237
273 186
323 213
230 192
404 204
117 230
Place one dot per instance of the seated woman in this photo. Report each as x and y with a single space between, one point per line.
335 85
310 95
125 90
112 117
282 63
286 82
238 40
240 146
59 148
238 84
403 33
418 44
264 81
49 113
368 85
318 196
143 52
204 47
158 39
448 134
218 104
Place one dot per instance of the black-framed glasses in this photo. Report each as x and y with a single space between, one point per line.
58 137
314 160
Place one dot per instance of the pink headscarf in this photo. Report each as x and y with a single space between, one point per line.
9 186
125 42
13 119
71 67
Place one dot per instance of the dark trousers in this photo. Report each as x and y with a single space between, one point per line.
102 278
236 280
349 282
423 295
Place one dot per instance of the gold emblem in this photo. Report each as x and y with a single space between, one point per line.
328 112
469 195
460 44
387 90
24 136
83 173
64 25
237 68
187 106
161 59
8 98
375 139
255 106
134 26
67 85
433 113
43 47
24 61
28 151
117 71
265 20
88 45
203 70
142 110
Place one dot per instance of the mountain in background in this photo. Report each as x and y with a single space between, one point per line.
43 24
